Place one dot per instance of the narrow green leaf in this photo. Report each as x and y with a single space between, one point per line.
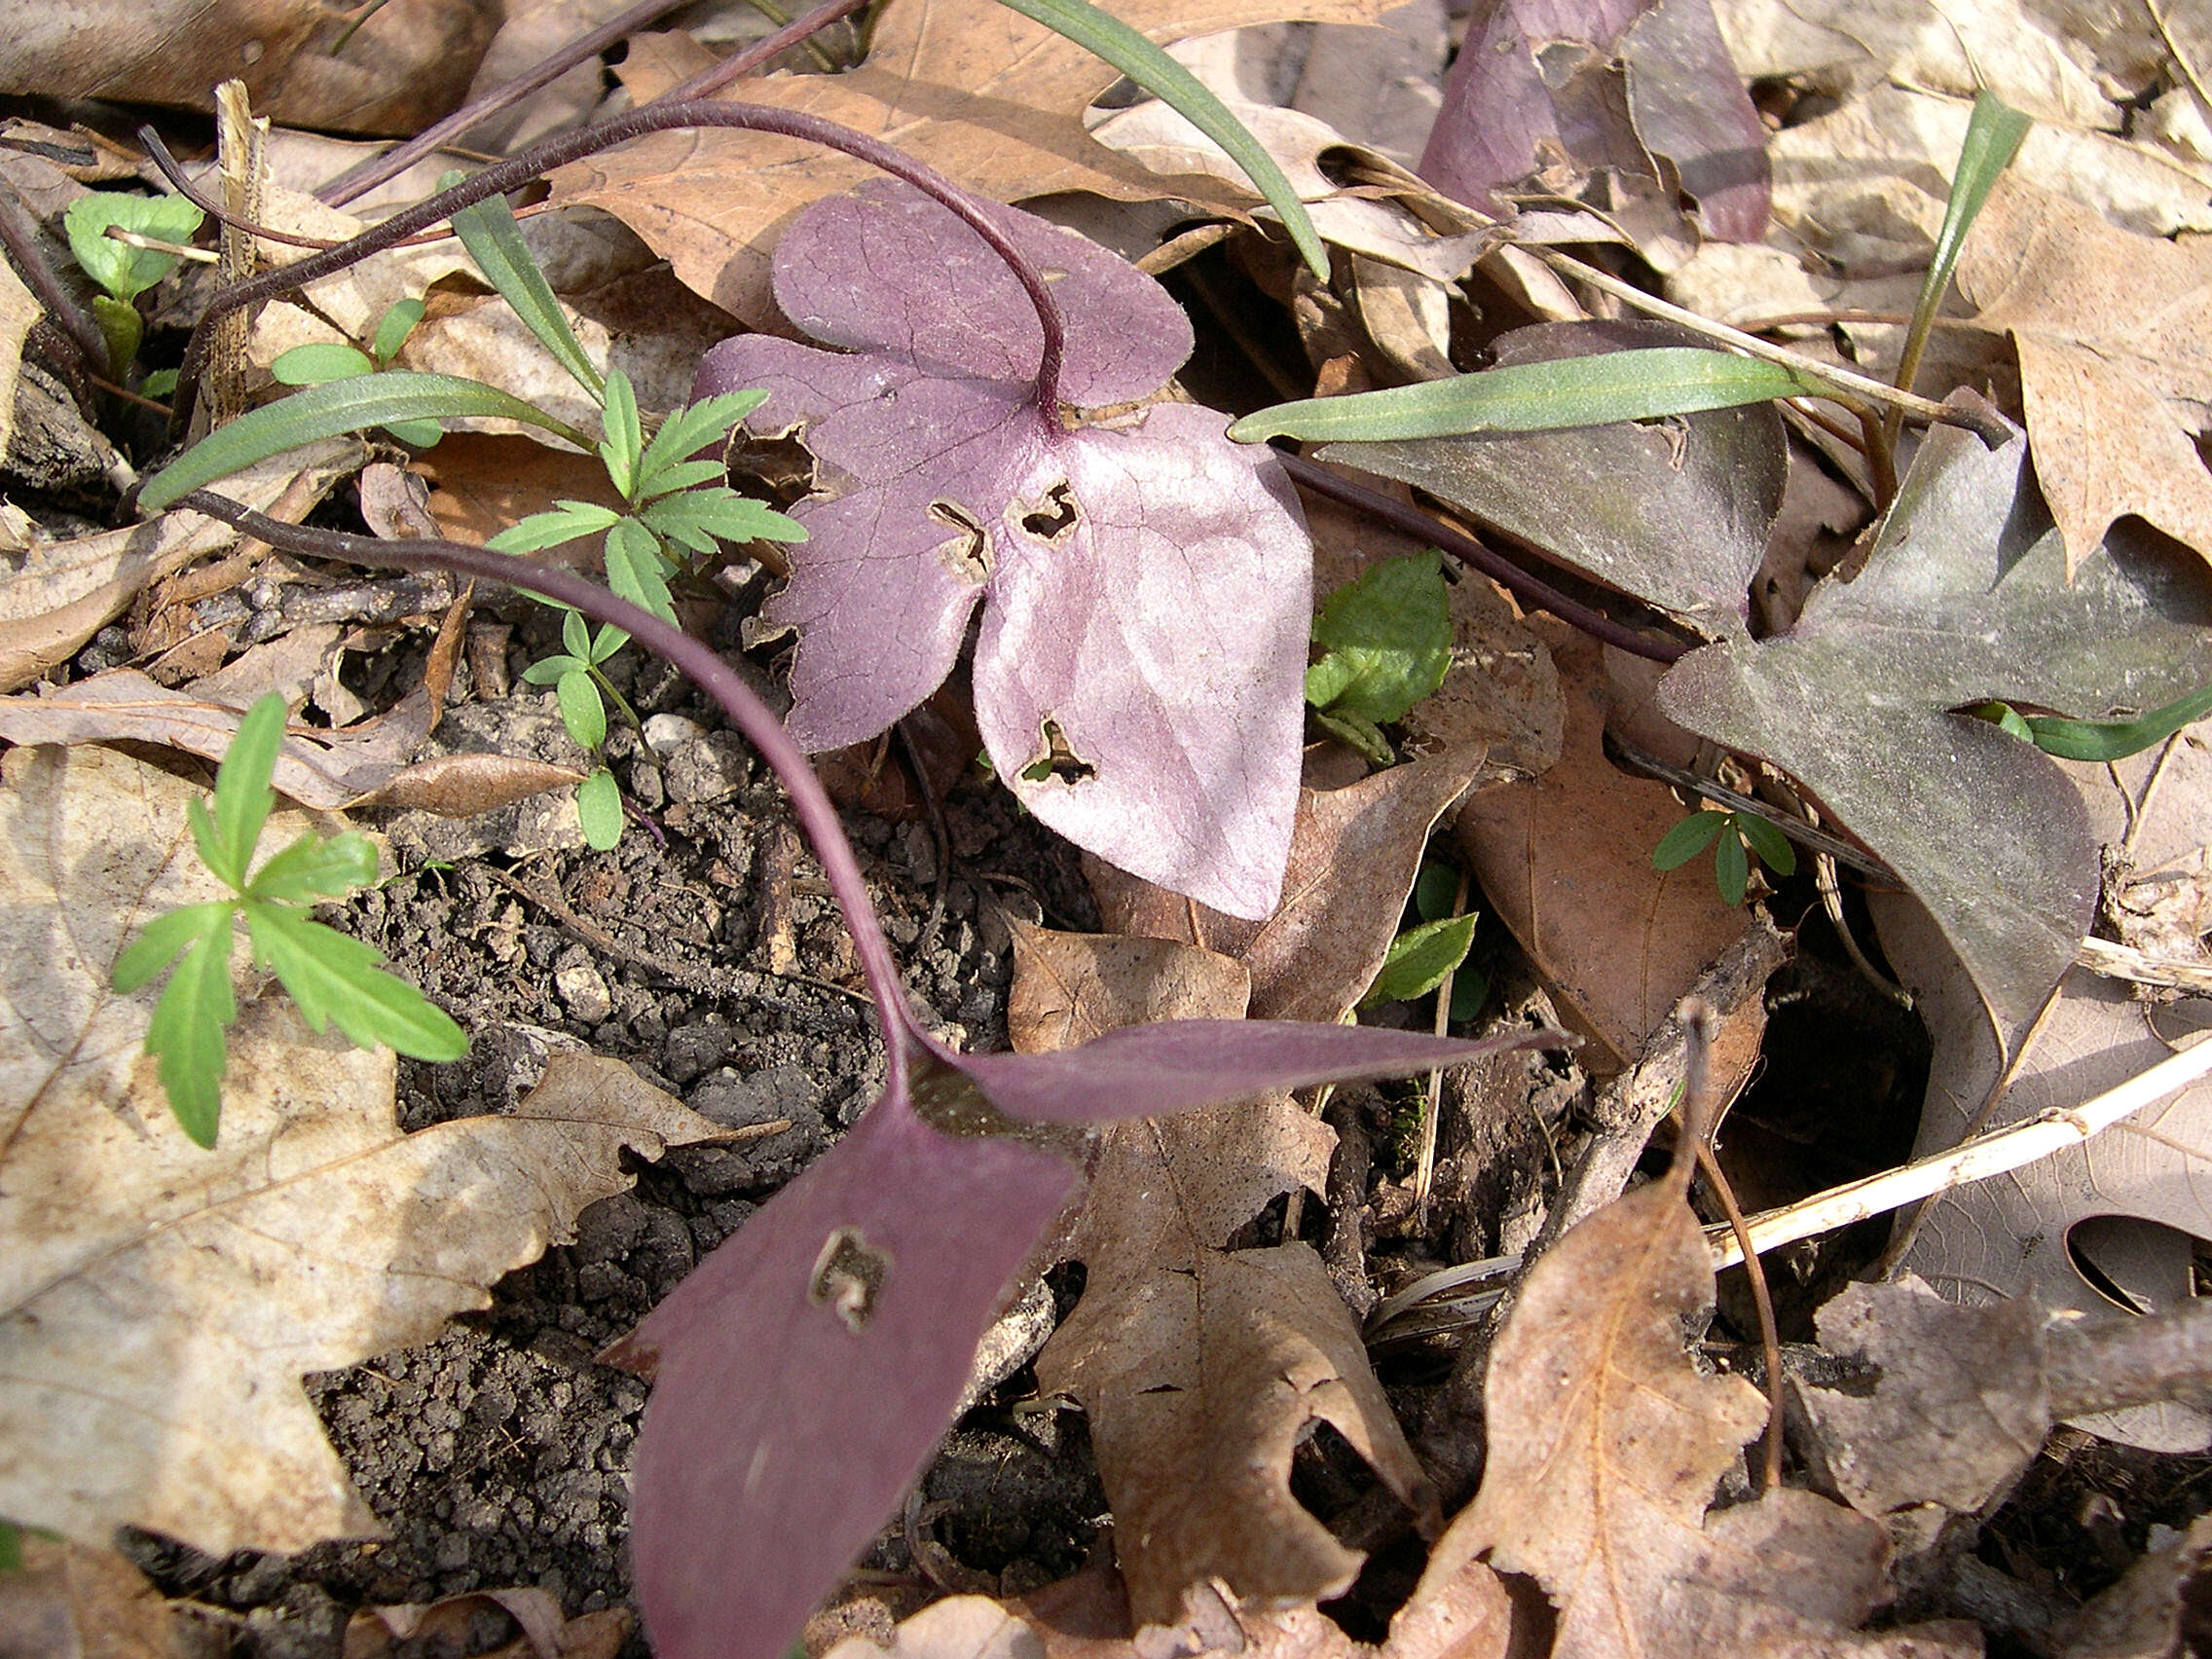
576 634
625 438
1418 959
1686 840
1356 731
398 321
1527 397
571 521
317 867
11 1547
1387 635
582 711
1994 134
1731 865
324 412
679 475
1158 74
2114 740
634 568
243 796
158 944
599 805
493 239
690 429
210 844
319 363
1769 842
697 517
124 271
548 670
186 1032
335 981
606 642
2005 718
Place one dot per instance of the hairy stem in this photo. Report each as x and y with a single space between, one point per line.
817 815
504 176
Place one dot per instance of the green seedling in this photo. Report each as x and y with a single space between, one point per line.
2097 740
321 362
329 976
1733 838
122 270
1420 958
580 686
1386 641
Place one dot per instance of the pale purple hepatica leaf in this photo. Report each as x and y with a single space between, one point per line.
806 1370
1146 583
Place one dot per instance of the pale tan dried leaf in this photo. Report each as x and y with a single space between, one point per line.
59 593
1061 981
2019 1237
158 1304
289 665
1501 692
959 1627
406 66
1606 1446
1958 1408
320 769
1354 857
1566 861
461 786
78 1601
482 484
2114 336
377 1633
18 312
980 93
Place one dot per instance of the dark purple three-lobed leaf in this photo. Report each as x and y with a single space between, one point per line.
1144 583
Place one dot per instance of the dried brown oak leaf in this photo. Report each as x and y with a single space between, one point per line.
158 1304
1354 855
978 91
1200 1367
1606 1445
2114 336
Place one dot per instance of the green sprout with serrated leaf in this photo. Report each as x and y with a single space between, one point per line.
1734 837
332 977
125 271
1385 641
674 507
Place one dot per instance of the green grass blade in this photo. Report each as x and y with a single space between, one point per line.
1994 133
326 411
243 798
493 239
1531 397
2115 740
1158 74
186 1033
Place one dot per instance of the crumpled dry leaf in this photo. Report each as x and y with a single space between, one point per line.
1564 860
2114 336
160 1303
319 769
2020 1237
1201 1368
2150 1612
379 1633
1966 596
77 1602
19 310
1606 1445
985 95
59 593
1352 862
404 67
461 786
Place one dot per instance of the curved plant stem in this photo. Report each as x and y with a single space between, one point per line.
817 815
1530 589
504 176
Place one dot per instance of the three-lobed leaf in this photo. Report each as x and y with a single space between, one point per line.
335 979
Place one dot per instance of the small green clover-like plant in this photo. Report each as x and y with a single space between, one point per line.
1734 837
580 686
1387 642
330 977
122 270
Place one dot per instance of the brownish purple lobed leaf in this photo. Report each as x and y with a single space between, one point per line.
1146 583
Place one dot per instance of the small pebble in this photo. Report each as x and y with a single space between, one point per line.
667 733
584 994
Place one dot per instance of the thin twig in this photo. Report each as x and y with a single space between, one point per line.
1820 840
1425 1165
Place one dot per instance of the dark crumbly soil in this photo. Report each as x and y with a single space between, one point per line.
497 1455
